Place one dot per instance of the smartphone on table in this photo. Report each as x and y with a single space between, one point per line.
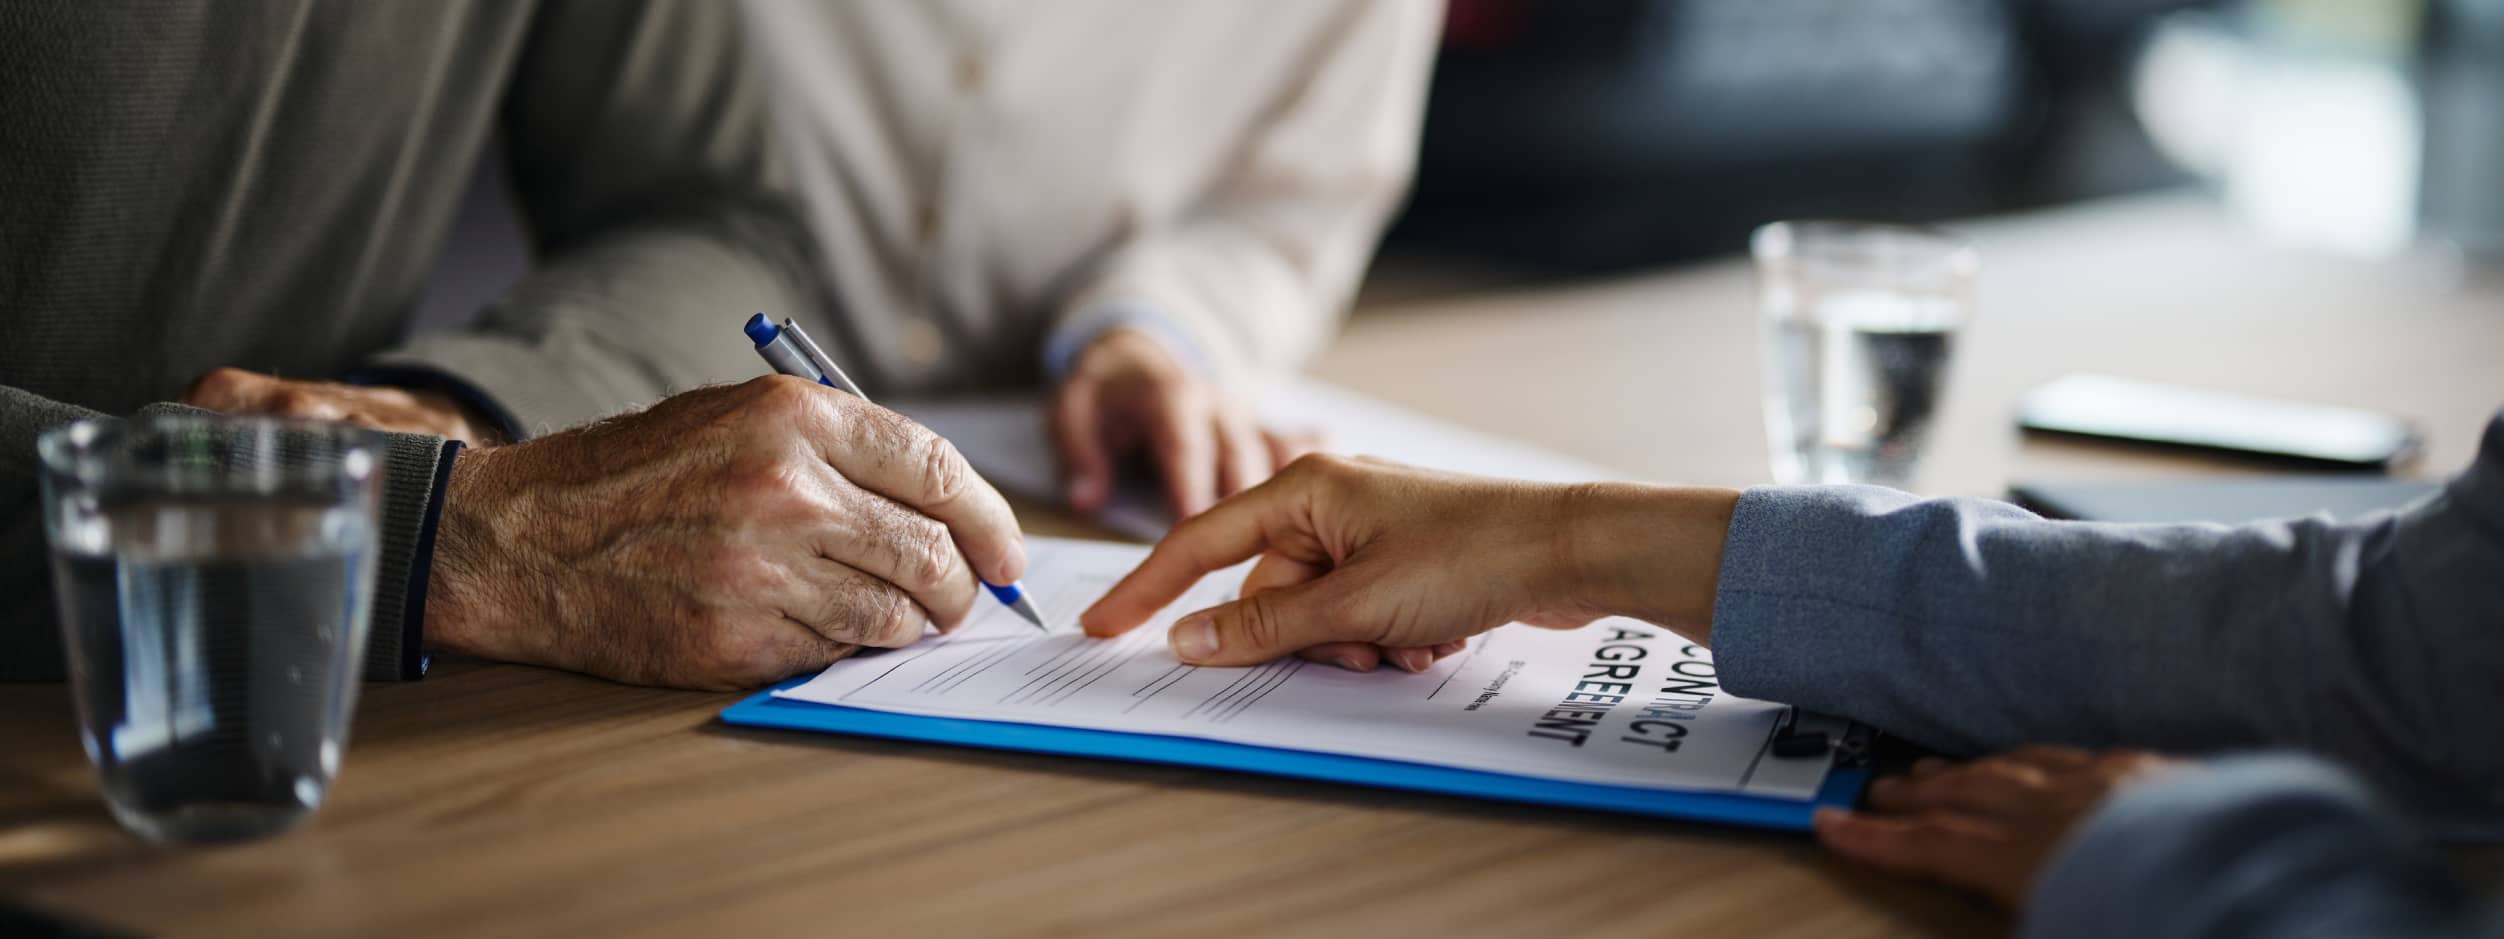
2325 436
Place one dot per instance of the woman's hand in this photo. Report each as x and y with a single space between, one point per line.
1372 553
1989 825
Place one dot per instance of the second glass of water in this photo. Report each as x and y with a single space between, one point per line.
1859 323
213 576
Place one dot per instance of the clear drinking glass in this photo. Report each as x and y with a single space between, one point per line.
214 575
1859 323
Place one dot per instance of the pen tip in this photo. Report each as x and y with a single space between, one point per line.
1025 607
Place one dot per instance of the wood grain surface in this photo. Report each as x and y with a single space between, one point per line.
501 800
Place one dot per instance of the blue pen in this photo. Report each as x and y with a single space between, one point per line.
791 352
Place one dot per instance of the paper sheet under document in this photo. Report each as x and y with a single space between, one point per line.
1004 438
1618 702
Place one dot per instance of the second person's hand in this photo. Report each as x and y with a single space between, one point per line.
236 391
1360 551
1126 394
1991 824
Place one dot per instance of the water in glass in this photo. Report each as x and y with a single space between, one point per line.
213 577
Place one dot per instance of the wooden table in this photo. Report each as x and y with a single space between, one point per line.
495 799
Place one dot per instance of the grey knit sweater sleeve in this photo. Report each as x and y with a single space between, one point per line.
661 216
1972 626
2259 847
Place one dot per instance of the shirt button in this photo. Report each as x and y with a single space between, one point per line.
968 73
926 221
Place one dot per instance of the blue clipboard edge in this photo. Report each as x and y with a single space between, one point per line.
1842 786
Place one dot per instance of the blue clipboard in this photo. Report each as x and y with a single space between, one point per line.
1843 784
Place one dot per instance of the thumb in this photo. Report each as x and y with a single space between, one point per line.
1264 626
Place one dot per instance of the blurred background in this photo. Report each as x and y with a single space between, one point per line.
1602 135
1597 136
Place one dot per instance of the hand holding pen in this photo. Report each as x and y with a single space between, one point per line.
790 351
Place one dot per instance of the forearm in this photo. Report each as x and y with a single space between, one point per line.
1223 299
1258 271
645 169
1972 626
624 321
1653 553
2253 848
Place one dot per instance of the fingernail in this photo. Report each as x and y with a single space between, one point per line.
1195 638
1077 493
1349 661
1415 660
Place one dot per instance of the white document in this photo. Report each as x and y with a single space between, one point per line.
1006 440
1618 702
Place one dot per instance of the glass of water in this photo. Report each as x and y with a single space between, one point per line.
1859 322
213 576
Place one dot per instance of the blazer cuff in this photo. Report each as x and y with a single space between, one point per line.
1794 616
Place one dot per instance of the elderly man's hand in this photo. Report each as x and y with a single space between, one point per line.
237 391
725 538
1989 825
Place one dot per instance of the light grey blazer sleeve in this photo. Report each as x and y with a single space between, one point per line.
2272 847
1971 626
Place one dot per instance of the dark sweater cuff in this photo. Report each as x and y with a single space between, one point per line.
413 657
416 468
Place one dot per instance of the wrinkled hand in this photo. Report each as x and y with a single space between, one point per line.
1126 394
1417 561
237 391
725 538
1989 825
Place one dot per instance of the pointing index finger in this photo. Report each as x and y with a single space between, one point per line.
1225 535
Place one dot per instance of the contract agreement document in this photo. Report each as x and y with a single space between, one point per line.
1618 702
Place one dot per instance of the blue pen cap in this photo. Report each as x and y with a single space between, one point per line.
762 330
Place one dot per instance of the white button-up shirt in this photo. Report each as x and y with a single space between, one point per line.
995 181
